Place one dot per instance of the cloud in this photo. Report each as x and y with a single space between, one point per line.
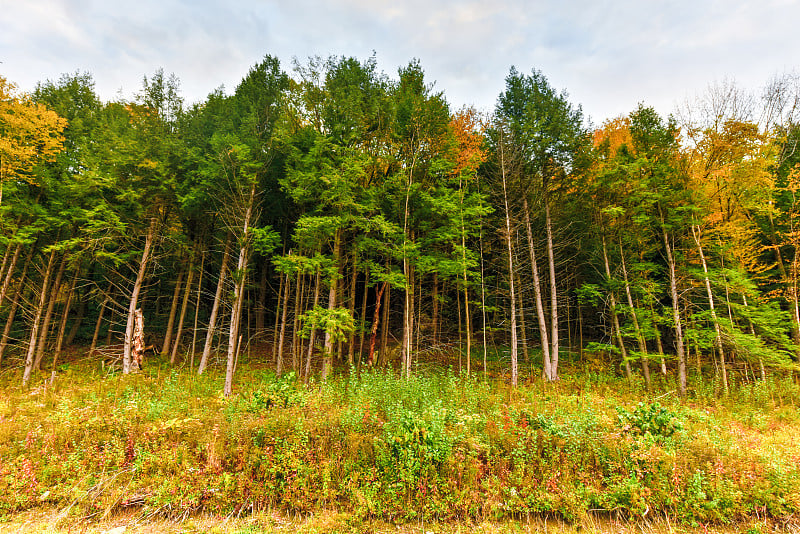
609 55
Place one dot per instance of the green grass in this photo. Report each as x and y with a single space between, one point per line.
372 446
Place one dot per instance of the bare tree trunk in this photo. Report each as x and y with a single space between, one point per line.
299 306
137 286
238 294
212 320
261 305
184 305
15 303
676 315
278 312
553 293
614 319
537 290
514 356
718 340
9 274
287 288
353 279
363 317
37 317
384 354
523 331
639 335
375 317
63 325
197 307
327 356
435 303
313 333
93 347
173 309
45 329
76 322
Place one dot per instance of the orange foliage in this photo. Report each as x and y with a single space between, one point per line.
615 132
466 127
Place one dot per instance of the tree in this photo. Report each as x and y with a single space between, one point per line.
29 134
551 136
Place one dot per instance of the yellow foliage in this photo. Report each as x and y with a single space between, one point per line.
29 134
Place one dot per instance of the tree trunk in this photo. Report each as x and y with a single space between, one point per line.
238 294
384 353
676 314
287 287
212 320
537 290
261 305
63 326
553 293
278 312
197 307
313 332
363 317
26 376
9 274
45 329
614 319
514 370
15 303
173 309
353 279
93 347
718 340
327 356
639 335
299 305
184 305
374 329
133 306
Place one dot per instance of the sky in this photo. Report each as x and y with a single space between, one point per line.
609 55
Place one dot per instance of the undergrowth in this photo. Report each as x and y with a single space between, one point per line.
437 446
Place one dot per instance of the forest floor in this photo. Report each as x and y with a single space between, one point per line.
164 451
54 522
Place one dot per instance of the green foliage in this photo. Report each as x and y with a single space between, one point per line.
281 392
338 322
650 420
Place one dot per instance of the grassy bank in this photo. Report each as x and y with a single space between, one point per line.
437 447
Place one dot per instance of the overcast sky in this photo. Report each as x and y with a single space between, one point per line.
608 54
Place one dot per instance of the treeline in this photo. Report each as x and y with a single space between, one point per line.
338 214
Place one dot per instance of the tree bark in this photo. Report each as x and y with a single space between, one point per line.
718 340
197 307
184 305
26 376
614 319
676 314
639 335
553 292
63 326
212 320
238 295
287 287
45 328
133 306
9 274
514 356
327 356
173 309
537 290
15 304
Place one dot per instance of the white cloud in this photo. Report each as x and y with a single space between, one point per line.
609 54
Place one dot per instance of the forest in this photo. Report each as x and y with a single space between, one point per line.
333 226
